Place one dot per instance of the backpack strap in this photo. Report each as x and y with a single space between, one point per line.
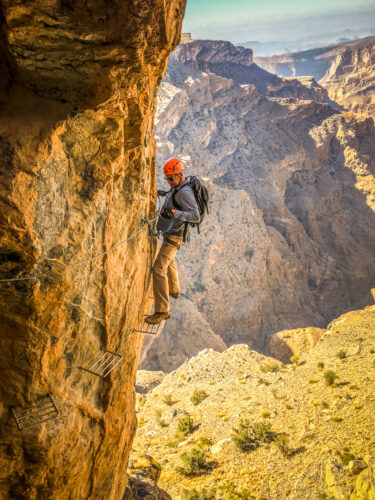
175 204
185 235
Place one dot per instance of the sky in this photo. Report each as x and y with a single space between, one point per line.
268 20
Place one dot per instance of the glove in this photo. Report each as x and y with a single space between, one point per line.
161 192
166 213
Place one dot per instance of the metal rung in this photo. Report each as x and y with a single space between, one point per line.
44 410
150 329
105 364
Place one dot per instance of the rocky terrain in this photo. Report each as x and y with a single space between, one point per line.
289 240
346 71
314 418
77 101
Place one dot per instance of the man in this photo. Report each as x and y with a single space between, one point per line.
179 207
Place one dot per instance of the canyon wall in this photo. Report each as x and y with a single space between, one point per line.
350 81
346 71
289 240
77 165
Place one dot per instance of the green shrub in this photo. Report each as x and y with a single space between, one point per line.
270 367
172 444
248 436
294 359
282 442
262 380
312 381
330 377
345 457
198 397
185 425
194 463
320 365
266 414
336 418
230 493
263 433
159 420
168 400
341 354
203 442
199 495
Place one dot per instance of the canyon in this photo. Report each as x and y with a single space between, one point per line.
77 165
287 247
289 239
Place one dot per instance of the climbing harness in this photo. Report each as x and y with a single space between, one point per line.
105 364
45 409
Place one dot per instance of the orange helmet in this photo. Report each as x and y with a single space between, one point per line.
172 166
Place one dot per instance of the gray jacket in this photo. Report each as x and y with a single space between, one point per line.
190 213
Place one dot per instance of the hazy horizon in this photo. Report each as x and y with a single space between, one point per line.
270 21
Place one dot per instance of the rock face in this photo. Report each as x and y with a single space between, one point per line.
350 80
321 436
346 70
283 345
77 100
289 241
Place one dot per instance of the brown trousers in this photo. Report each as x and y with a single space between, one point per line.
164 273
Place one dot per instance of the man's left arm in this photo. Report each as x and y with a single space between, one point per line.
186 200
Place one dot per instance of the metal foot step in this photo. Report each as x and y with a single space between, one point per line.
105 364
45 409
150 329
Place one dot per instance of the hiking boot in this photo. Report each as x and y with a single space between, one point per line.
157 317
175 295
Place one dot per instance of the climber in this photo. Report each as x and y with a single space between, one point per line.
179 208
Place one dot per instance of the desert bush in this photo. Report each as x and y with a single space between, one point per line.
168 400
320 365
185 425
294 359
336 418
229 492
249 436
198 397
198 495
270 367
261 380
345 457
330 377
203 442
341 354
194 463
282 442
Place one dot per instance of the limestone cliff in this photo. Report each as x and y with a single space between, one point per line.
289 241
350 81
77 165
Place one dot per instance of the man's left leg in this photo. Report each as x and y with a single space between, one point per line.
173 283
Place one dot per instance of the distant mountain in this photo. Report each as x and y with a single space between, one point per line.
278 47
